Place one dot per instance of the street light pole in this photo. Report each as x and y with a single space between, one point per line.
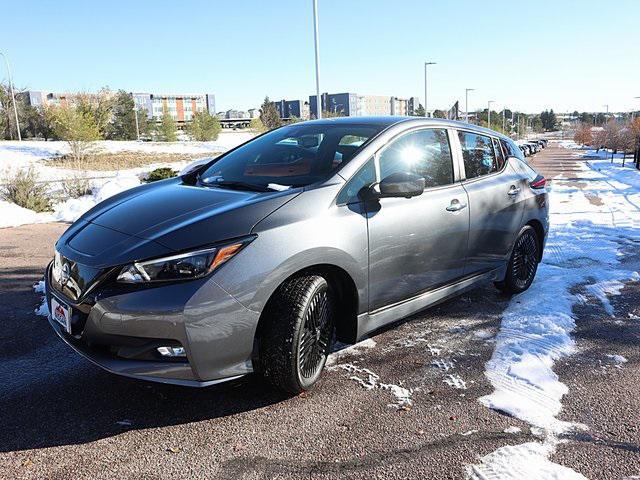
317 49
489 112
13 97
426 108
135 112
504 122
466 103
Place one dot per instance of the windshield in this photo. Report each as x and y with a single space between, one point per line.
296 155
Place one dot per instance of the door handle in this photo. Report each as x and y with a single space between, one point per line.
456 206
513 191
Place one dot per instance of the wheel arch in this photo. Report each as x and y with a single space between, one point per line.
539 229
347 298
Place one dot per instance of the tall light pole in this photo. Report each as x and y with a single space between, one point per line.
489 112
426 107
135 112
13 97
504 121
317 48
466 103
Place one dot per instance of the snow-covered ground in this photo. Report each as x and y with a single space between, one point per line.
584 247
32 154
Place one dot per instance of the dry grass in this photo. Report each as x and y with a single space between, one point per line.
122 160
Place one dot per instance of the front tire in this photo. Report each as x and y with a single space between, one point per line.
297 334
523 264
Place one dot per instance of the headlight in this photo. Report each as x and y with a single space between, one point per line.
185 266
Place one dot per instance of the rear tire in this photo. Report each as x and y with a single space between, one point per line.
523 264
297 333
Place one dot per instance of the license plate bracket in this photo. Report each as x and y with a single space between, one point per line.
61 313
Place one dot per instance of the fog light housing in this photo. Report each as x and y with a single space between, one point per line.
172 352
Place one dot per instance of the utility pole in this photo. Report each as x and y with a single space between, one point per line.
13 96
489 112
135 112
466 103
504 123
317 49
426 108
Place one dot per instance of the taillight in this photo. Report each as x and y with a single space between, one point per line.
538 182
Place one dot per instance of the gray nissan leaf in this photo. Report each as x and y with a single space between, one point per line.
316 232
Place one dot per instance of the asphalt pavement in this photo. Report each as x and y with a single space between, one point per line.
405 407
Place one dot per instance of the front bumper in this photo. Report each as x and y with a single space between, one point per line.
119 331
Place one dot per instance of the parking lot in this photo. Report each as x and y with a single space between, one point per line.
403 404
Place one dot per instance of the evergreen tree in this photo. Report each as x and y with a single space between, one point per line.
35 123
204 127
123 120
166 130
419 112
549 121
269 115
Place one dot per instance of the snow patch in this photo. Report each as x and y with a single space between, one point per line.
43 308
529 460
455 381
356 349
371 381
585 245
513 430
617 359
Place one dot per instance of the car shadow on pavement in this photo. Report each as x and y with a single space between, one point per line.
82 403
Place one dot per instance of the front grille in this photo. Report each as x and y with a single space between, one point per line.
71 278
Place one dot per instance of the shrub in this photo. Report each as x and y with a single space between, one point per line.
160 174
256 126
23 189
76 127
204 127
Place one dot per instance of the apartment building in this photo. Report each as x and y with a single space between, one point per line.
353 104
292 108
37 98
181 107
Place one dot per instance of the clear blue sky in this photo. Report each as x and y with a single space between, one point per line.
529 55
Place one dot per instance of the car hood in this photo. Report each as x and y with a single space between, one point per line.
162 218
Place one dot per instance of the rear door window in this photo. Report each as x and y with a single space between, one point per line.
478 154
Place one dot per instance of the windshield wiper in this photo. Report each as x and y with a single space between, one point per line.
238 185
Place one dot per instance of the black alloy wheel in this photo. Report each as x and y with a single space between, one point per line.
523 263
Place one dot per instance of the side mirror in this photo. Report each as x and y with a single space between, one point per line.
401 184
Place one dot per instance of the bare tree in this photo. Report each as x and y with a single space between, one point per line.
583 135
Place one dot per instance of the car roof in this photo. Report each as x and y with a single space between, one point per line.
390 120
